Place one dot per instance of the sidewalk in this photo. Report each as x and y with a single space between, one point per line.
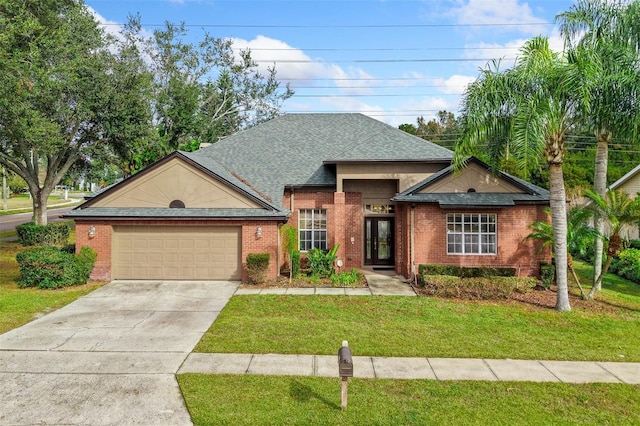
416 368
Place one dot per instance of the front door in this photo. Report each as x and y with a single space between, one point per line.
378 241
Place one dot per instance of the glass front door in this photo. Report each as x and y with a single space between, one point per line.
378 241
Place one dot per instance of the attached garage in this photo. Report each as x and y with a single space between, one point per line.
176 252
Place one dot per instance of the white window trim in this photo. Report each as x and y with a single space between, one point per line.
480 234
312 229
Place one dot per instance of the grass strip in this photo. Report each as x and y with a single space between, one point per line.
261 400
419 327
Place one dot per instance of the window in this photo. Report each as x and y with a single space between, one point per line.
471 233
312 225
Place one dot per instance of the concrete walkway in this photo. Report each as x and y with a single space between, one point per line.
416 368
110 357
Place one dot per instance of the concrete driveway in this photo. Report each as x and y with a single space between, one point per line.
110 356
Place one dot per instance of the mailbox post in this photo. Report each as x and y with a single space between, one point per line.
345 369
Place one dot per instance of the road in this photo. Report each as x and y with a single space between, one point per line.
9 222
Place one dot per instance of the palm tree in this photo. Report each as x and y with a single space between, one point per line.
526 112
577 232
609 31
618 211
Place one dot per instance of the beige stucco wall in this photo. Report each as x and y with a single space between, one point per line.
176 180
373 191
407 174
631 186
473 176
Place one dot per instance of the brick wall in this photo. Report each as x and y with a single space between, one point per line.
100 242
431 239
344 221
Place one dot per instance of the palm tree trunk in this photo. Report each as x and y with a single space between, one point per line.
600 187
598 279
559 221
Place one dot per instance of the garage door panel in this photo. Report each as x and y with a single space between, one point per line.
174 252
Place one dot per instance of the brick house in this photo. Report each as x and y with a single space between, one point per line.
389 199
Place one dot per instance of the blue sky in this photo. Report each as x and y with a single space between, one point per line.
393 60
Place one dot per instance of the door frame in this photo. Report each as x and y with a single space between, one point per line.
375 261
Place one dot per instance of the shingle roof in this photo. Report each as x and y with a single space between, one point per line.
159 213
298 149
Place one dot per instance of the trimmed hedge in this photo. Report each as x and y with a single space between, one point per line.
477 287
51 267
257 266
52 234
547 274
465 272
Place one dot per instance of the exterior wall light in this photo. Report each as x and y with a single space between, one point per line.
92 231
259 233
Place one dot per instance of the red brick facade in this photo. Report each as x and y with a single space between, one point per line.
345 226
430 239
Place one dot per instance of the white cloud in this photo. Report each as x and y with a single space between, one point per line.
298 68
510 12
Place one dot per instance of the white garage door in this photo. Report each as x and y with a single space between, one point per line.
176 253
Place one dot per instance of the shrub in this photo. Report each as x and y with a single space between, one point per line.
547 274
53 234
347 278
628 264
257 266
50 267
321 262
634 244
477 287
465 272
295 263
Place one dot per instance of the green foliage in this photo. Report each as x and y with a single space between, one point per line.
295 263
628 265
257 266
290 244
547 274
476 287
347 278
49 267
321 262
465 272
56 234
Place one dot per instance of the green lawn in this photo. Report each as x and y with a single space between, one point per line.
267 400
19 306
25 204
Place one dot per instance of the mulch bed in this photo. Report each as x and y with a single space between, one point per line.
303 282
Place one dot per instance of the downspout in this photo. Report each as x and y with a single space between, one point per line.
411 244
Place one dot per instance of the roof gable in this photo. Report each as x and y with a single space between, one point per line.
474 186
629 183
175 179
473 178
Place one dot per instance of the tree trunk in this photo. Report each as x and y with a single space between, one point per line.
600 187
40 206
559 222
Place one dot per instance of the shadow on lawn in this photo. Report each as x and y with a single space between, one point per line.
303 393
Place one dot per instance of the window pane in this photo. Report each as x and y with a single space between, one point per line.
471 233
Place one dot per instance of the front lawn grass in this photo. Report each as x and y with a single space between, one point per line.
420 327
19 306
268 400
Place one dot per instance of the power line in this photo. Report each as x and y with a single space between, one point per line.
331 26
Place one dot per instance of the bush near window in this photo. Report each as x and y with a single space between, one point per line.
321 262
50 267
477 287
465 272
52 234
257 266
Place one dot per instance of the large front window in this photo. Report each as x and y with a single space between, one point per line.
471 233
312 224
